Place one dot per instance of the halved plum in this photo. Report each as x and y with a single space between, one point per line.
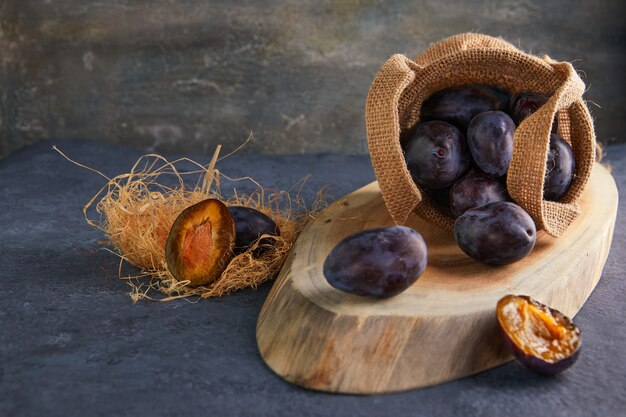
201 242
543 339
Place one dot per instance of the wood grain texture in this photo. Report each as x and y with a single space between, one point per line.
444 326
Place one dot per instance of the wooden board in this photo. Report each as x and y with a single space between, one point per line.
441 328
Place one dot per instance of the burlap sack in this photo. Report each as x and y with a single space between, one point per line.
401 85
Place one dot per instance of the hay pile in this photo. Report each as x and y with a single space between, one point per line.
136 211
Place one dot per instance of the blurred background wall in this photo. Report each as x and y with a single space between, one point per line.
182 76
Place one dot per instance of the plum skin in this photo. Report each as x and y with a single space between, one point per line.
560 168
250 225
458 105
379 263
436 154
497 233
523 105
490 141
475 189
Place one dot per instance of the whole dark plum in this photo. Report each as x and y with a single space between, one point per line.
377 263
543 339
560 168
490 141
458 105
436 154
523 105
250 225
496 233
475 189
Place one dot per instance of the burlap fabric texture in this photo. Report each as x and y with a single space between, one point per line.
401 85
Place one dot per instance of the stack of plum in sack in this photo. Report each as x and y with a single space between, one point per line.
460 152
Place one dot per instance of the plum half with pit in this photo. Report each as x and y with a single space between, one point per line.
436 154
543 339
560 168
201 242
379 263
496 234
490 140
458 105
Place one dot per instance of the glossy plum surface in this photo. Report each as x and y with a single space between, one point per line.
560 168
475 189
523 105
490 141
458 105
250 225
379 263
496 233
543 339
436 154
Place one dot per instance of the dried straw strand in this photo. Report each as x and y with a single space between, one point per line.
136 211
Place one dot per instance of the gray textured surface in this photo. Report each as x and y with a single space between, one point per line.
183 75
72 344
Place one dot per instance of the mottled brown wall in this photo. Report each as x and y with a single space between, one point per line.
186 75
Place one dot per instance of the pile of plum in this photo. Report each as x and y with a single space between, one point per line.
460 154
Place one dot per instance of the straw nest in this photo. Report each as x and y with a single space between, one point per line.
136 211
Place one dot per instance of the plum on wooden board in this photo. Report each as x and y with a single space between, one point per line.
379 263
496 233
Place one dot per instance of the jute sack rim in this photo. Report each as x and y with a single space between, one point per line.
403 80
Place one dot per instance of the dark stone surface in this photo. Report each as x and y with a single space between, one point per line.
181 76
73 344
